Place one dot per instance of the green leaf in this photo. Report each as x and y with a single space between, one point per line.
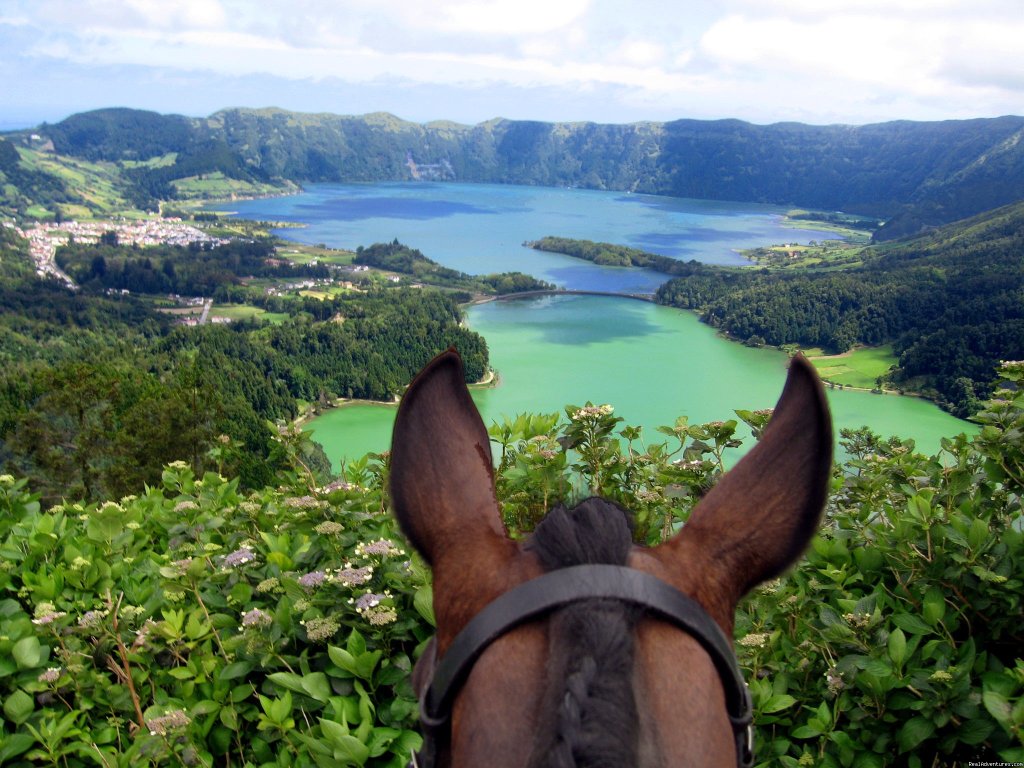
229 718
27 652
380 739
236 670
315 685
868 760
868 559
204 707
356 644
778 703
281 708
347 748
342 658
877 667
913 732
18 706
241 692
7 667
288 680
351 751
897 647
824 714
14 745
908 622
844 742
978 533
806 732
934 607
975 731
829 617
366 663
423 602
998 706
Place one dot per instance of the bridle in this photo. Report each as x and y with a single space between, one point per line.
559 588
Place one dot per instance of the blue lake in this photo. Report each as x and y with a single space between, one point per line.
652 363
481 228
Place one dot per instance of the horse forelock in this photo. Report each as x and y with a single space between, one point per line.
590 705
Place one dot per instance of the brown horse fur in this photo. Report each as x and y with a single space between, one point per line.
596 684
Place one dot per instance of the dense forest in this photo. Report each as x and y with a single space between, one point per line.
951 302
98 392
910 175
396 257
611 255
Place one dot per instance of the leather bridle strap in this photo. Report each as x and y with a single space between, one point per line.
562 587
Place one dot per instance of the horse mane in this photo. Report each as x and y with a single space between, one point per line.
593 716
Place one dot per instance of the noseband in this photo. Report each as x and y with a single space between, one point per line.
557 589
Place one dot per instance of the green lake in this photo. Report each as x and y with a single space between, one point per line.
651 363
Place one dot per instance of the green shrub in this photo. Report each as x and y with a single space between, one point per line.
898 640
196 626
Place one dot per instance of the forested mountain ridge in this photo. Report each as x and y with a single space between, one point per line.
911 174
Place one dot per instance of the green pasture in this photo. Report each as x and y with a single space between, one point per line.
304 254
246 312
859 368
154 162
94 182
217 185
327 292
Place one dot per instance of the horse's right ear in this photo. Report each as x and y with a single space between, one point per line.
442 477
760 516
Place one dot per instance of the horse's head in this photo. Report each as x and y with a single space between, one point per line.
603 682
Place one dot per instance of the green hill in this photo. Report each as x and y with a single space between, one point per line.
951 302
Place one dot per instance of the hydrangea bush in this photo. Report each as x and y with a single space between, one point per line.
194 625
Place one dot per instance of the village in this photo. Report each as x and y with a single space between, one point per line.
44 238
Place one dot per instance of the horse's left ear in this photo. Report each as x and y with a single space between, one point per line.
442 477
760 516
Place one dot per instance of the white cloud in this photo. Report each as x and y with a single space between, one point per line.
639 53
846 60
508 17
921 57
175 13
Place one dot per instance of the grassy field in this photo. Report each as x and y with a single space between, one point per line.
246 311
304 254
96 183
859 368
327 292
154 162
217 185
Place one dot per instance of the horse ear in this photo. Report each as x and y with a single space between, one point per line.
760 516
442 477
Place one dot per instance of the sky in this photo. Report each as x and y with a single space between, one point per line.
765 61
